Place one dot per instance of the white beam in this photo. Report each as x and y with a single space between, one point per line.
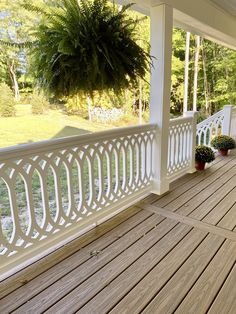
161 50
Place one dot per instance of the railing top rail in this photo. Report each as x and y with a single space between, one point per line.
62 143
204 122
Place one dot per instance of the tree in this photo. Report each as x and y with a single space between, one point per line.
14 30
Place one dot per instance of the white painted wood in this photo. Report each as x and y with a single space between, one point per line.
193 139
233 123
227 120
182 132
209 128
200 17
161 50
52 190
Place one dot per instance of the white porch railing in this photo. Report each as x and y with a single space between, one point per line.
51 191
209 128
181 146
223 122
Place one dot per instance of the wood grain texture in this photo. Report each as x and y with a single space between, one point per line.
202 294
225 301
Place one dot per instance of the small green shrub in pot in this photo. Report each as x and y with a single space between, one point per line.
223 143
203 155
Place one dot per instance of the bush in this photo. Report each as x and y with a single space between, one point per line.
7 103
77 106
223 142
39 103
204 154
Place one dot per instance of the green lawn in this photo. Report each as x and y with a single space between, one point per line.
26 128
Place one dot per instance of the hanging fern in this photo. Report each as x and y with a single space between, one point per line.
86 46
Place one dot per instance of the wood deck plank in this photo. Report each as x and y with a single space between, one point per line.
197 184
202 294
225 302
108 246
212 201
221 209
27 274
167 300
82 294
146 289
229 220
128 250
203 203
116 291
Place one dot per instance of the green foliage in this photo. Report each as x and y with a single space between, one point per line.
7 104
223 142
204 154
77 106
39 103
201 117
86 46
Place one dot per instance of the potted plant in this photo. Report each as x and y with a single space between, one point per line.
93 48
203 155
223 143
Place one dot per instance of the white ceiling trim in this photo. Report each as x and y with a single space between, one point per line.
202 17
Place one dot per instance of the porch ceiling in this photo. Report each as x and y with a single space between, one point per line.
227 5
211 19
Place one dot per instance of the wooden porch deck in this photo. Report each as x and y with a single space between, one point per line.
169 254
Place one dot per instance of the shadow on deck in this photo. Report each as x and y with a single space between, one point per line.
174 253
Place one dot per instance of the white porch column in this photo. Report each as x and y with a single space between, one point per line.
161 50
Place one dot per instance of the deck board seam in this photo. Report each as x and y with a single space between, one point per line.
227 234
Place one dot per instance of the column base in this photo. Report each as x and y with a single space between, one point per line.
160 188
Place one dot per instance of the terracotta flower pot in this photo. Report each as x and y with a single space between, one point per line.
223 152
200 165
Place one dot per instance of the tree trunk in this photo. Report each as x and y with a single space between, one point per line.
140 102
13 77
205 80
196 73
185 109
